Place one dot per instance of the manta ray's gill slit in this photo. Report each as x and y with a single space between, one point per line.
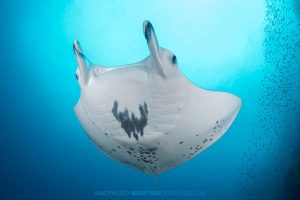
130 123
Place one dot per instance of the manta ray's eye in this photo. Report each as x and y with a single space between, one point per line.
174 59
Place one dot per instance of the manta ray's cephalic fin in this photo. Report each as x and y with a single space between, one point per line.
153 46
83 62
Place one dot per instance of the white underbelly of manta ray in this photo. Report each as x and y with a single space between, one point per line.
148 115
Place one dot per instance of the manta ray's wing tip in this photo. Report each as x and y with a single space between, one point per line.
232 102
239 100
238 103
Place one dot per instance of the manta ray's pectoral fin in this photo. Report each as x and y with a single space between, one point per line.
153 46
83 63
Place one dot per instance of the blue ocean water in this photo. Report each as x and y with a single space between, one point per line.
250 48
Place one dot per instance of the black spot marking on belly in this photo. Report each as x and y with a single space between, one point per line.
130 123
145 155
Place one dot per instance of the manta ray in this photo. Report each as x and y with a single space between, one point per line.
148 115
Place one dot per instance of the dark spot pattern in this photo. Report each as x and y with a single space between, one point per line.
129 122
192 150
145 155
